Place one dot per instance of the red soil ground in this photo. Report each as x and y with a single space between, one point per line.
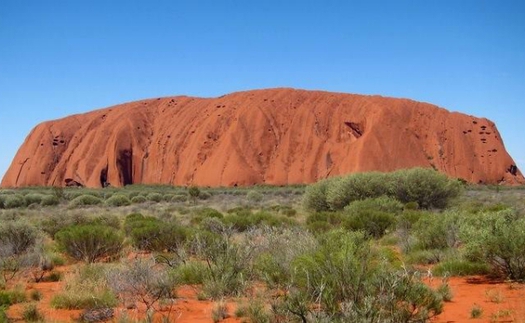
499 301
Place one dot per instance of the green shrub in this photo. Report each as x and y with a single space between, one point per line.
11 297
438 231
154 197
32 314
85 200
179 198
194 192
204 195
138 199
152 234
35 295
49 200
90 242
358 186
72 300
374 223
254 196
33 198
14 201
333 218
86 288
427 187
191 273
315 196
382 203
346 280
18 236
460 268
497 238
445 292
118 200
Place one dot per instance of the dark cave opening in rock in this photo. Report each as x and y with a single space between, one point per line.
125 166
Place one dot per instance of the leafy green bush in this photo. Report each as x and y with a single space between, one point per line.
138 199
179 198
254 196
154 197
90 242
86 288
427 187
49 200
497 238
33 198
85 200
152 234
460 268
382 203
118 200
315 196
346 280
374 223
14 201
191 272
358 186
438 231
18 236
32 314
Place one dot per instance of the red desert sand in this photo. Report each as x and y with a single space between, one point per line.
274 136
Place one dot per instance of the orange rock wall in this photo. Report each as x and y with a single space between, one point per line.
275 136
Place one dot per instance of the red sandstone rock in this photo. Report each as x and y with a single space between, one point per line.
275 136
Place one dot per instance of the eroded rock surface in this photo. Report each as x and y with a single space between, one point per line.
274 136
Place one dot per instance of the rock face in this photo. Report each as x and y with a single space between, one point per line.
274 136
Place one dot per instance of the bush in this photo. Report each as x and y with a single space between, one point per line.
154 197
179 198
152 234
33 198
191 273
138 199
50 200
373 223
382 203
139 280
14 201
90 242
85 200
118 200
460 268
32 314
347 281
17 236
315 196
497 238
438 231
254 196
427 187
86 288
358 186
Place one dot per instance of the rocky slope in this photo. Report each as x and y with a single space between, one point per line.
274 136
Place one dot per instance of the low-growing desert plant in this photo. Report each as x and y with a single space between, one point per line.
90 242
86 288
140 281
476 311
31 313
118 200
219 311
85 200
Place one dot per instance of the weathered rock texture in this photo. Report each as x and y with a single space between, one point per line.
275 136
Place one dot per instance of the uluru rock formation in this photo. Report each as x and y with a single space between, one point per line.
274 136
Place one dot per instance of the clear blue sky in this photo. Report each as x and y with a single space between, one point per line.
63 57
